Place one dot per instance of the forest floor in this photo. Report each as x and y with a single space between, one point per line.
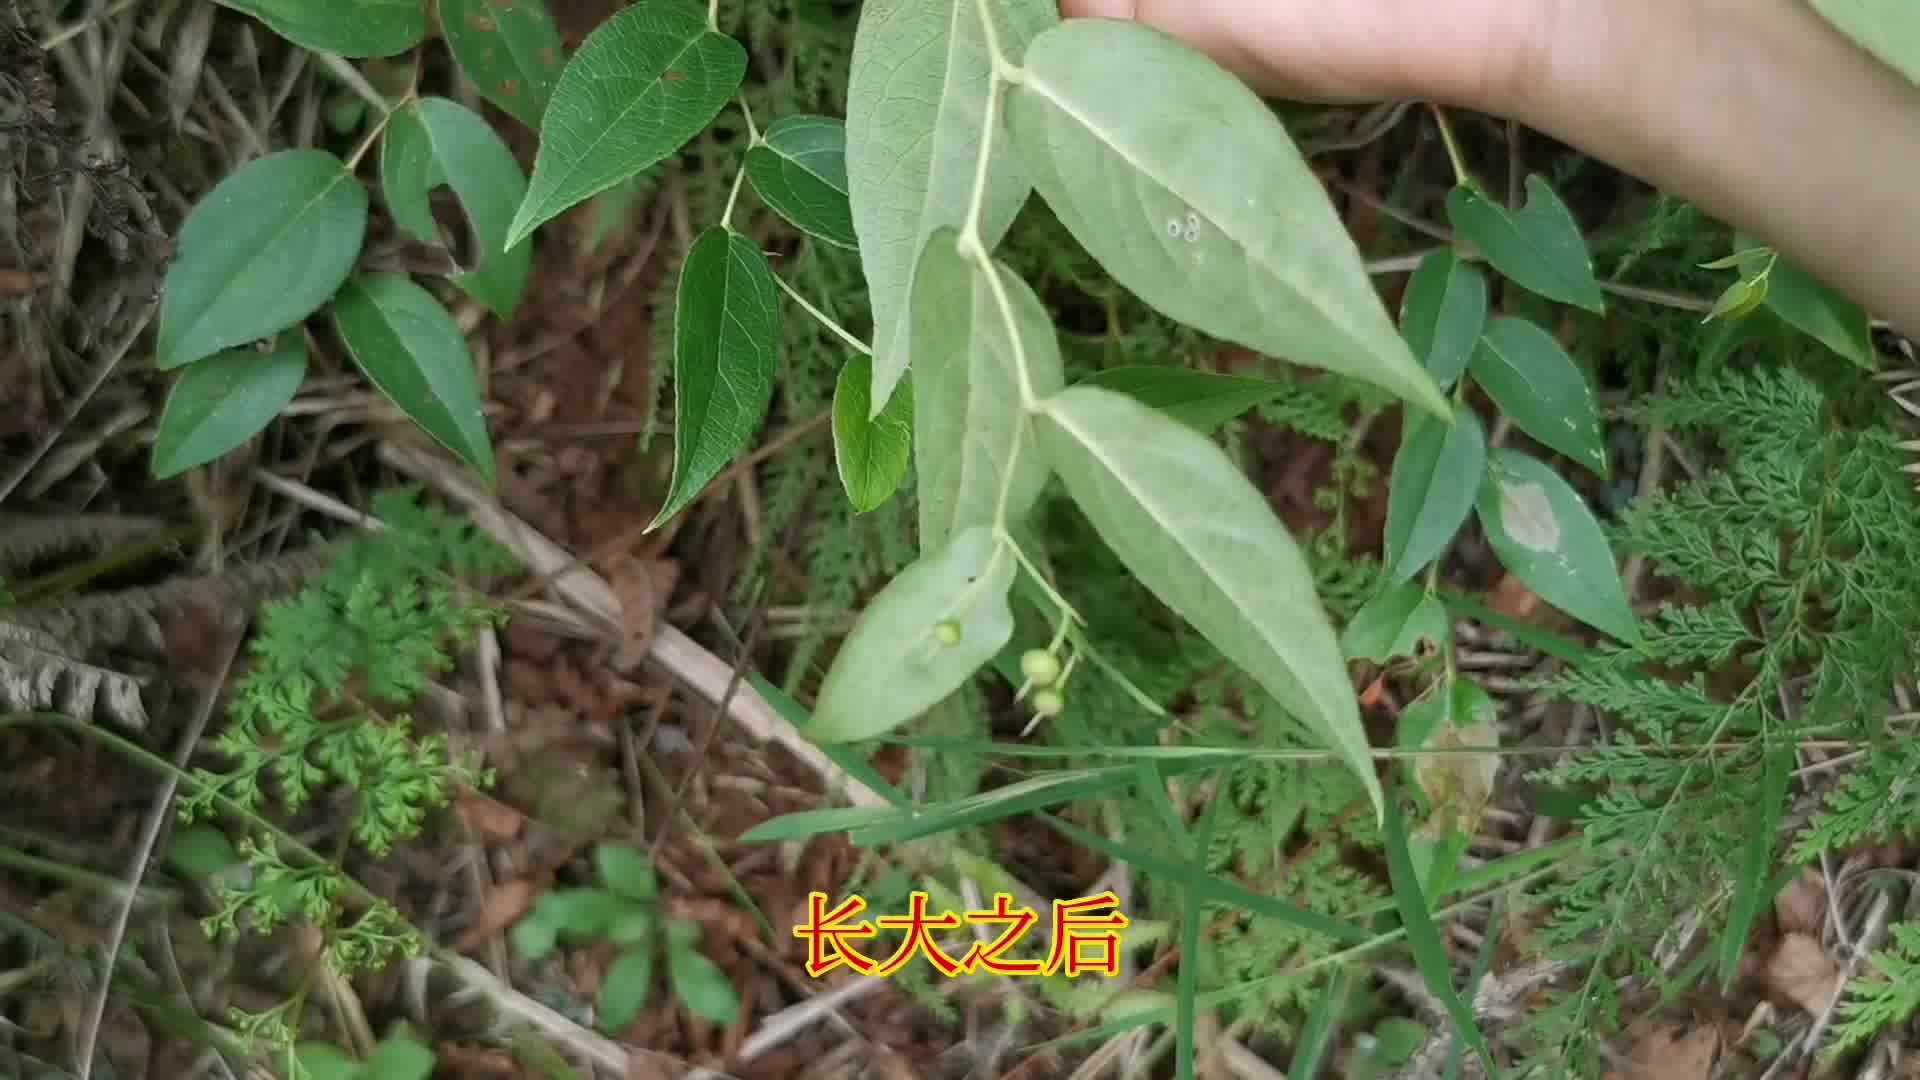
593 738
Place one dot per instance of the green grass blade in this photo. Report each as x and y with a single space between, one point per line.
1209 887
1423 939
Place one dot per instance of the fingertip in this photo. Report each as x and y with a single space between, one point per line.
1097 9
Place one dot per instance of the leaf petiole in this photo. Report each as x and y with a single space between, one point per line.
823 318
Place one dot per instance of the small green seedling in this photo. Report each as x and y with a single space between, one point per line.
623 911
399 1056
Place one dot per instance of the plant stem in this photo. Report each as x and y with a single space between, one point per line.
822 317
1460 174
726 216
713 15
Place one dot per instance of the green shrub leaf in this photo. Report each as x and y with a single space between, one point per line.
1889 29
916 107
352 28
216 405
260 252
1443 312
701 986
1540 530
433 142
201 852
1396 623
1812 307
632 927
1533 380
1436 476
578 913
643 84
872 452
625 871
534 938
1538 247
1216 222
509 49
1202 400
625 988
411 350
920 639
800 170
1191 528
966 390
726 334
400 1057
325 1061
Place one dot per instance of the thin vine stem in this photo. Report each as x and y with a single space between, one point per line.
823 318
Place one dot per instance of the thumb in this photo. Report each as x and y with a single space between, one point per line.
1106 9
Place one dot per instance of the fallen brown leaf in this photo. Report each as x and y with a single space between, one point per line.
1515 601
1802 972
502 908
1671 1053
644 588
1801 907
23 282
490 818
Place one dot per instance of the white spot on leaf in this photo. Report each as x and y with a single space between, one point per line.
1527 515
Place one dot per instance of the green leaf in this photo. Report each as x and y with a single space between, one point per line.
216 405
1423 939
726 334
1756 859
578 913
413 352
325 1061
1436 475
260 252
1203 400
400 1057
1190 527
1533 380
916 107
625 871
352 28
1538 247
632 927
534 939
1810 306
643 84
800 170
509 49
1395 623
625 988
433 142
1442 314
701 986
1889 29
201 852
897 663
967 404
872 452
1541 531
1182 183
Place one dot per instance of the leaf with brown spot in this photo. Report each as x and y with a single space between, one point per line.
510 52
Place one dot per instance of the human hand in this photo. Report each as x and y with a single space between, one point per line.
1475 53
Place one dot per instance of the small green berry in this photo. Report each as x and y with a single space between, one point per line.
1048 702
948 631
1041 667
